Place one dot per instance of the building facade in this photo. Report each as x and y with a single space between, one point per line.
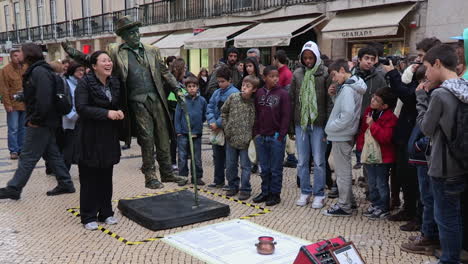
200 30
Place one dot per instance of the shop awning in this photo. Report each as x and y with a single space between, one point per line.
212 37
279 33
369 22
170 45
150 40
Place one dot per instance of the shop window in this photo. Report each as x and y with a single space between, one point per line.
198 58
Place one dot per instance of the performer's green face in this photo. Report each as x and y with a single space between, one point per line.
132 36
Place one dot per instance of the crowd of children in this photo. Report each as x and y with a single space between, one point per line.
348 108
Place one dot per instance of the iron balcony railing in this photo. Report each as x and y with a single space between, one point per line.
158 12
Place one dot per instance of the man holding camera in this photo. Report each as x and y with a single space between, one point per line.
11 83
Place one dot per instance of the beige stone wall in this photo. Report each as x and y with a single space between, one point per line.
445 20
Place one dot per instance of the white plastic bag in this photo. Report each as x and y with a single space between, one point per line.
217 138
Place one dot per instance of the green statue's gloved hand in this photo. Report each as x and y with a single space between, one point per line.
180 93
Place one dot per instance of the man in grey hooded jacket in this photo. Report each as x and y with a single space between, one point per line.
341 128
437 111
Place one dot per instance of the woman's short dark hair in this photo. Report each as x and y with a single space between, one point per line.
427 44
72 68
94 57
170 59
32 53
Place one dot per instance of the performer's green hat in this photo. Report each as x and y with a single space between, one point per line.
124 23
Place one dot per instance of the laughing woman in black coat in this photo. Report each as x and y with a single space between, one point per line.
97 101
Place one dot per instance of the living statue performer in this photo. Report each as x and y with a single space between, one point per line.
144 78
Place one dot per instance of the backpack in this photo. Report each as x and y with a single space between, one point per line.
63 98
457 143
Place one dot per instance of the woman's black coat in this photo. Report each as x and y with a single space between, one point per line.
98 135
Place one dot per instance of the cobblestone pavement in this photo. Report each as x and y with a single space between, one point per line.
38 228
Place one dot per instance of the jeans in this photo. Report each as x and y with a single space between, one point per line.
39 141
358 157
311 142
232 158
219 160
447 213
342 151
16 125
408 178
271 154
379 190
429 226
183 146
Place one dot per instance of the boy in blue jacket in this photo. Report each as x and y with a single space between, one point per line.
196 107
213 116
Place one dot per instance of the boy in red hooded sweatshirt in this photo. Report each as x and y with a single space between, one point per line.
381 121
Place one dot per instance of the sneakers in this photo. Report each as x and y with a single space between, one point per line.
422 245
289 164
319 202
214 185
111 220
379 214
357 166
225 188
14 156
260 198
400 216
91 226
369 211
411 226
200 182
231 192
303 200
274 199
335 210
8 193
244 196
60 190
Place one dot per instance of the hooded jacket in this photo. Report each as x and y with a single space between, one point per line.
382 131
321 90
196 106
213 111
343 122
437 115
272 108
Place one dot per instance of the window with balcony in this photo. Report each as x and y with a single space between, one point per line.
27 7
40 12
53 11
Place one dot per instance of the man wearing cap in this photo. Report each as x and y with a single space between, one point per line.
142 73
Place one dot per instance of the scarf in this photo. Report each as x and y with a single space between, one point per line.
308 98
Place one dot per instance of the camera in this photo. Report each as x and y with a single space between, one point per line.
19 97
386 60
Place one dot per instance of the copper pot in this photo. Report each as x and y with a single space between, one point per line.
265 245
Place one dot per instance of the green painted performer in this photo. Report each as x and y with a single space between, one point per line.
144 78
